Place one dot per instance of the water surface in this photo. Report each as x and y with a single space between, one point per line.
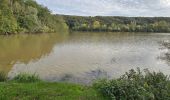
82 57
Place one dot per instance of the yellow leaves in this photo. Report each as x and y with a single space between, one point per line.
96 24
146 85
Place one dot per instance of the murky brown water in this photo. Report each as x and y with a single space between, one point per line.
81 57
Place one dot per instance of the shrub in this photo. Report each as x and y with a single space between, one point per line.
3 77
135 86
26 78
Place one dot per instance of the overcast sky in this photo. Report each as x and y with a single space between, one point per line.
109 7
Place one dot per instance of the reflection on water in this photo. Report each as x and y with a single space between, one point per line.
26 48
79 57
88 79
165 51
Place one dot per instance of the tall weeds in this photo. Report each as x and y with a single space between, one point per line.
26 78
3 77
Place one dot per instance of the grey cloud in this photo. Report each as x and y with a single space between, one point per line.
109 7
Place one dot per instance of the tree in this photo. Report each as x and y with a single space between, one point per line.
132 26
121 24
115 27
104 27
27 16
8 23
96 25
161 26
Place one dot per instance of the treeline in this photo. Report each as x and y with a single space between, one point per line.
118 24
26 16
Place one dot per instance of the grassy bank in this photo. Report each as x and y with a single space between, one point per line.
46 91
30 87
133 85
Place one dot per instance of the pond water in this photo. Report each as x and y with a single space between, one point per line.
81 57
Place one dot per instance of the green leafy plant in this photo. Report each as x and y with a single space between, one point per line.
135 85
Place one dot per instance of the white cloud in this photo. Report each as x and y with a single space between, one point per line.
109 7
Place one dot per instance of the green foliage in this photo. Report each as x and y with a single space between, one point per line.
8 23
26 78
28 17
118 24
136 86
3 77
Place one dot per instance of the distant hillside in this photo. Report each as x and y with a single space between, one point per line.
118 24
26 16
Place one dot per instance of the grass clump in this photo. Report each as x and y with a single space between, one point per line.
136 86
3 77
26 78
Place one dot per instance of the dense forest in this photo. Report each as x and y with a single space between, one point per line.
118 24
26 16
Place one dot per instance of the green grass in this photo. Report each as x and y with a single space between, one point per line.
46 91
133 85
30 87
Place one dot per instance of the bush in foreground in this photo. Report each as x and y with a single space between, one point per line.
26 78
136 86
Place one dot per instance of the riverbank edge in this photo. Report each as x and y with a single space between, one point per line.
75 31
135 84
